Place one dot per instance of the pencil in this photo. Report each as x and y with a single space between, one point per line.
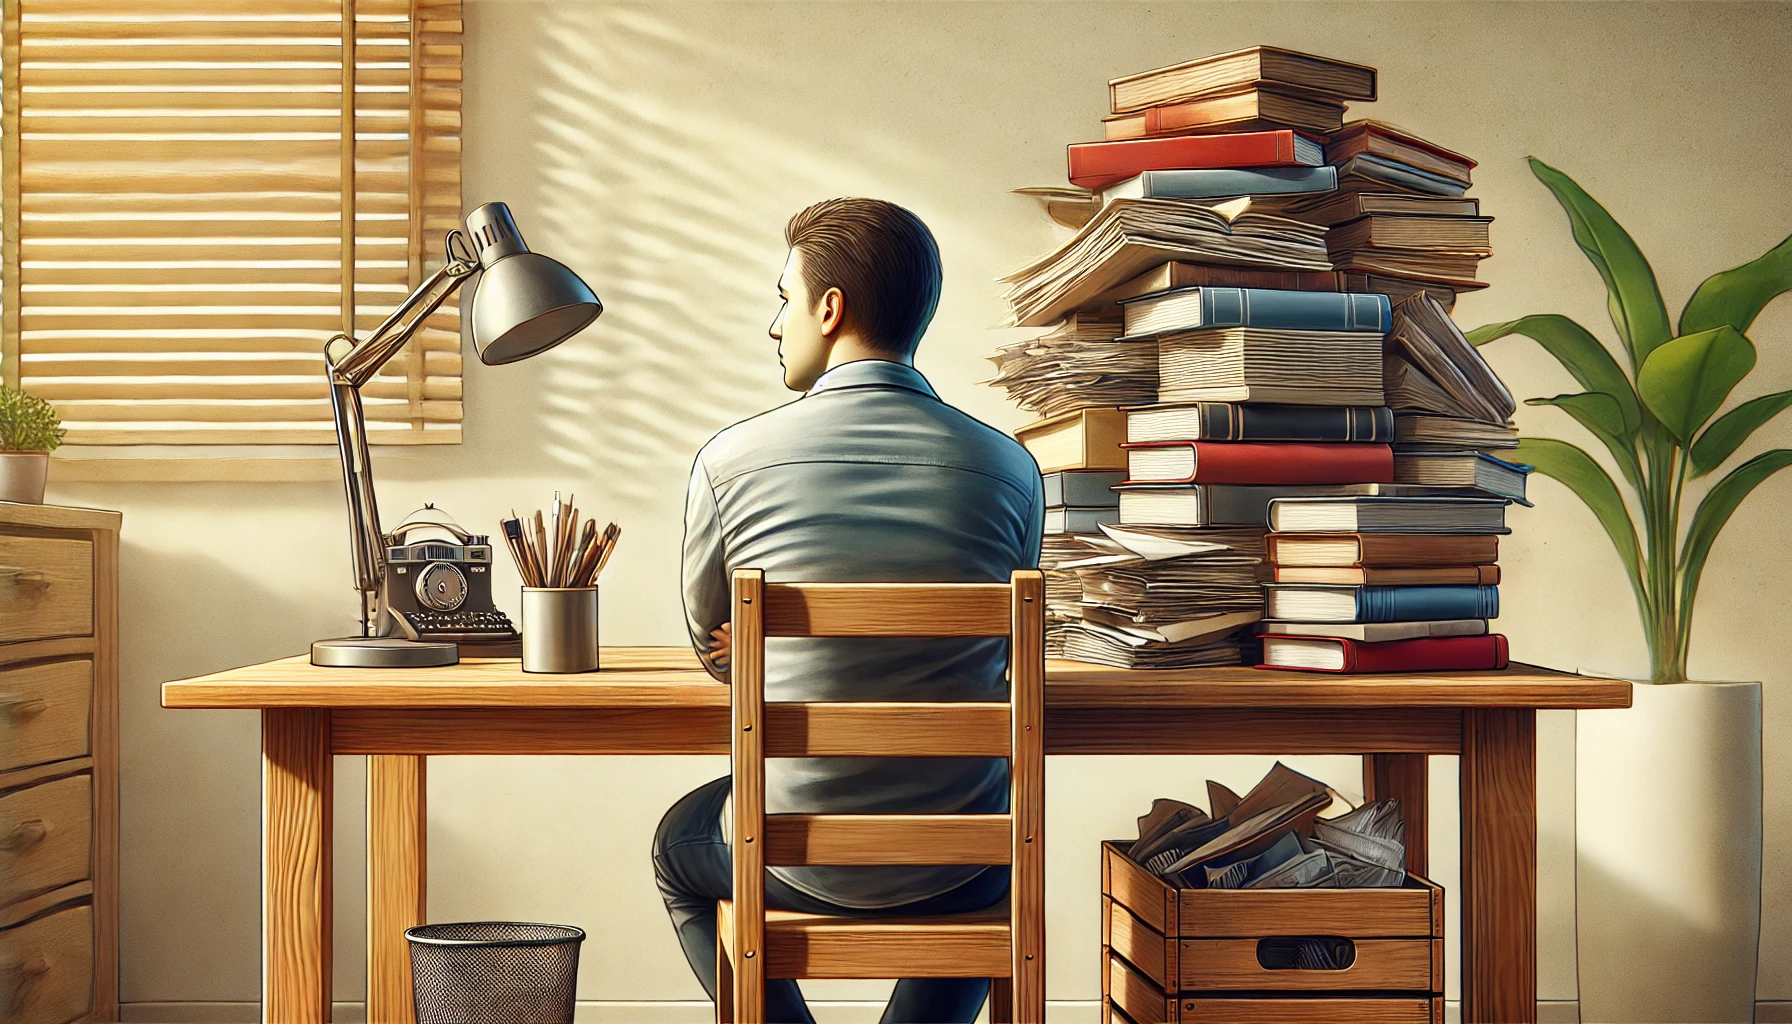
513 536
541 547
582 555
615 534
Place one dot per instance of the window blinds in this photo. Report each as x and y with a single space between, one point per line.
199 193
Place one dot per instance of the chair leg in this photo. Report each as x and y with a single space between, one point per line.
1001 1001
724 985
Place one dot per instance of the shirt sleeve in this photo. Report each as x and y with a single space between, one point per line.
706 589
1036 524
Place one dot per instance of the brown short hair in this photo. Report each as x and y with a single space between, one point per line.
881 257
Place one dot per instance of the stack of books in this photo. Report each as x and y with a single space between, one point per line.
1291 274
1384 584
1406 579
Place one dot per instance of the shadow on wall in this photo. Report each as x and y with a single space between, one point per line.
623 192
671 202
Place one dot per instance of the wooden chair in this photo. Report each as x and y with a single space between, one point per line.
1005 943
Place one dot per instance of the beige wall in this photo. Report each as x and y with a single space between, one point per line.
658 148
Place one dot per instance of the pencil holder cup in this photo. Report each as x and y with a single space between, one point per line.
559 629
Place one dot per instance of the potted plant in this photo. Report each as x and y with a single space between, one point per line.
29 431
1668 809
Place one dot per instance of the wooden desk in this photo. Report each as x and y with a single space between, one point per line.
659 701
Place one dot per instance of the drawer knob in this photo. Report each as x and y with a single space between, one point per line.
25 835
17 707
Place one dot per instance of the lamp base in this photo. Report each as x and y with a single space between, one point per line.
382 652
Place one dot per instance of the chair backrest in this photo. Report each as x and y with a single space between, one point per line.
1014 730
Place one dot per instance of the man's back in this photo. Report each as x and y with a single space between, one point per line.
867 478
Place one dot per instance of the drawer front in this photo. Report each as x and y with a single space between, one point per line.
1232 965
44 836
46 587
46 968
44 712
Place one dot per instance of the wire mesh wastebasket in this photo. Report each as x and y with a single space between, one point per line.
494 972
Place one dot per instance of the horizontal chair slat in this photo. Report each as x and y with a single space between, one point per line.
886 609
867 729
888 839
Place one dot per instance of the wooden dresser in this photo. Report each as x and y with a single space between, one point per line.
58 764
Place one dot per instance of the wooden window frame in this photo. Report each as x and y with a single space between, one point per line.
431 163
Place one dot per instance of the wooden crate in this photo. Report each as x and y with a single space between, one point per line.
1131 998
1171 956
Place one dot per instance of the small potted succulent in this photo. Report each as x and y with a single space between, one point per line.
29 431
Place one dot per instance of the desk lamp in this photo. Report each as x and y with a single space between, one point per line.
525 303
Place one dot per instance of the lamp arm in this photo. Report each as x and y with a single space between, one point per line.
351 364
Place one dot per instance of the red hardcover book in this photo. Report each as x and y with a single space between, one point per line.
1421 654
1232 462
1096 165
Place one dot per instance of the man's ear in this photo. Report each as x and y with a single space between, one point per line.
833 311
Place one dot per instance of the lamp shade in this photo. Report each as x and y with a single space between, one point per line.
524 303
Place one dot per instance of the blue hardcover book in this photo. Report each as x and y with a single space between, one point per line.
1189 309
1221 182
1332 603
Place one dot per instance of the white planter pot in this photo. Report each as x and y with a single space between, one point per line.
22 476
1668 856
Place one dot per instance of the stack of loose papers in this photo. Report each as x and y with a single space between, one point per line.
1078 365
1131 236
1157 598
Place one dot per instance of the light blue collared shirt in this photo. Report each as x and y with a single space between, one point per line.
868 477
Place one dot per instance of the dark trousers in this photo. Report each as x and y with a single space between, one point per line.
694 869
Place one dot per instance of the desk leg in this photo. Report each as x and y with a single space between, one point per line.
396 869
1406 778
296 777
1499 866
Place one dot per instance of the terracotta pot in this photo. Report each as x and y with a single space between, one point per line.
22 476
1668 855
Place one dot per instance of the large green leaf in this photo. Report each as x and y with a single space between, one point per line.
1686 380
1721 439
1735 296
1580 354
1597 412
1714 512
1631 292
1576 469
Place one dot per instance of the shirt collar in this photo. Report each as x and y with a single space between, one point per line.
873 373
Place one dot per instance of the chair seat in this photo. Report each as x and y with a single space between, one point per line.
968 945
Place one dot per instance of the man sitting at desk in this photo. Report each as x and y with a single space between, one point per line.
868 477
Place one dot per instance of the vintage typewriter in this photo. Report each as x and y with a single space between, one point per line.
441 589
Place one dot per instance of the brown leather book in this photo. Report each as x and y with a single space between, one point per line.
1460 235
1256 65
1382 549
1349 204
1248 110
1378 138
1390 576
1454 269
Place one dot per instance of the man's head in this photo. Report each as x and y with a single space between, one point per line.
861 282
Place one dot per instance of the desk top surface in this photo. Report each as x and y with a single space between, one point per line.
650 677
